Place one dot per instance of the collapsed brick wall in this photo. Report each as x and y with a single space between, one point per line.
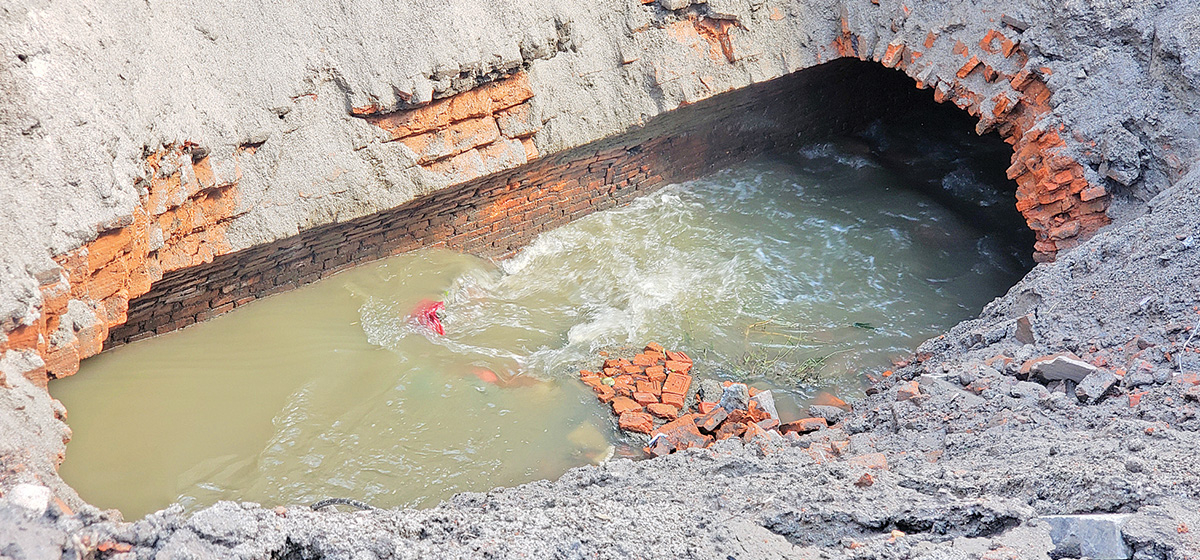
496 214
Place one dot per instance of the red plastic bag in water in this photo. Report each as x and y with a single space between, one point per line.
427 315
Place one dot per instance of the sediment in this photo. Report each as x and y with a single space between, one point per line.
144 141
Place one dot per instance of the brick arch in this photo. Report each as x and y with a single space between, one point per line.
992 80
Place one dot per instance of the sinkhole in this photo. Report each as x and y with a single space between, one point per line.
836 219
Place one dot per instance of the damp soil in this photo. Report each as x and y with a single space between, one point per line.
795 272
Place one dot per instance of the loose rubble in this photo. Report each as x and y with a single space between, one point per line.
650 394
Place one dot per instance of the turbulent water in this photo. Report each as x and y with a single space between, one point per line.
795 272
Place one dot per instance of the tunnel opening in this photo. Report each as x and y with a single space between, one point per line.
336 390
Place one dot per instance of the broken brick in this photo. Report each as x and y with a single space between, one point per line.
604 393
730 429
662 410
677 383
645 398
908 390
752 431
622 405
674 399
639 422
682 367
804 425
710 421
768 424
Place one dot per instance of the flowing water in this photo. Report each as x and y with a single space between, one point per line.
796 272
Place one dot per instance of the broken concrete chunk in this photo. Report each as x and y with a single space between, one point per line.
1089 536
32 497
736 397
831 414
1062 367
1095 385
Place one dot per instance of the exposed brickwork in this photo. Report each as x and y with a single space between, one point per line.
480 142
180 222
468 135
495 215
1053 192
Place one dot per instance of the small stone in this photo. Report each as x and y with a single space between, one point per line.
908 390
608 381
1024 333
865 480
1095 386
1134 465
710 390
735 397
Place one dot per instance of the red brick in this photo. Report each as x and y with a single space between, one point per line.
968 67
730 429
710 421
678 366
804 425
639 422
662 410
645 398
673 399
677 383
678 357
622 405
649 387
645 360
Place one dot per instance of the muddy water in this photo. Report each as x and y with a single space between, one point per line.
794 272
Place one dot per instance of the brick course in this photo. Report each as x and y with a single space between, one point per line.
497 214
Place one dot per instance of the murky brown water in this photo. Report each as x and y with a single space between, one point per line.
794 272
